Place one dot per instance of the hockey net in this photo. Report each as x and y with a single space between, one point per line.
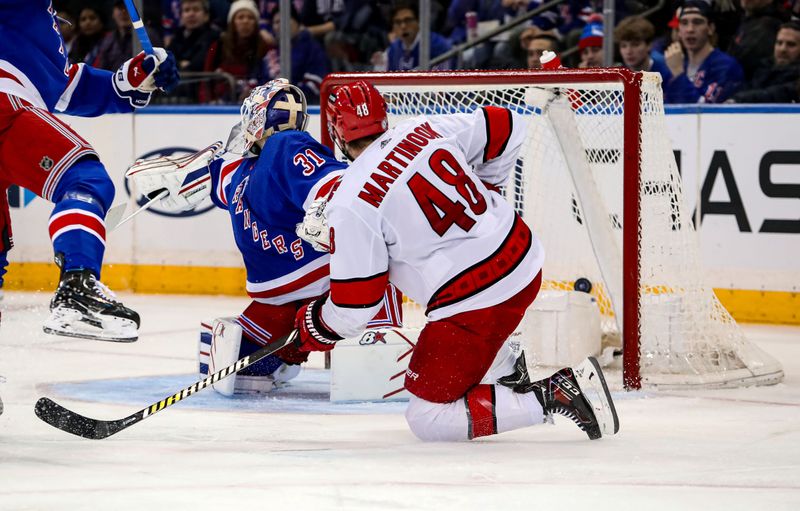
598 184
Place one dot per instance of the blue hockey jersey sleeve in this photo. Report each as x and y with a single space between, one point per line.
90 93
222 170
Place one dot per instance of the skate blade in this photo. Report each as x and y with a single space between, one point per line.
71 323
593 384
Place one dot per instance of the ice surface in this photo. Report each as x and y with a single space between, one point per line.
724 449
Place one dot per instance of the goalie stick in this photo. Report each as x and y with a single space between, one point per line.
71 422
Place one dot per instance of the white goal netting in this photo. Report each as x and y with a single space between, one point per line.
569 185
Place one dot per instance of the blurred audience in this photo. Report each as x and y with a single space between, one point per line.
703 74
403 52
755 38
778 79
634 36
91 30
309 64
541 42
358 35
117 45
238 52
591 46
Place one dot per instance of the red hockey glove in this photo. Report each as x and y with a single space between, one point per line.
314 335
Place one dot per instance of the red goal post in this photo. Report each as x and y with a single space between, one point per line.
614 110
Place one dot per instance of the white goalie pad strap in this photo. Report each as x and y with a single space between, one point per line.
186 178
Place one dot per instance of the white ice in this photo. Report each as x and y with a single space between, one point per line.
725 449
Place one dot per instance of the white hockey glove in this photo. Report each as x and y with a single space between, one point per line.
186 178
314 227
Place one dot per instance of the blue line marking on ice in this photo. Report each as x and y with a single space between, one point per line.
308 393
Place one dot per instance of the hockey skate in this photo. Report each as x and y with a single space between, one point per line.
84 307
581 394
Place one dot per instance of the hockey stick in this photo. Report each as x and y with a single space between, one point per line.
110 225
138 26
67 420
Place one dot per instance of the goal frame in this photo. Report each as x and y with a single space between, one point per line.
631 83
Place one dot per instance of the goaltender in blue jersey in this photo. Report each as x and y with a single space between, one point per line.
268 178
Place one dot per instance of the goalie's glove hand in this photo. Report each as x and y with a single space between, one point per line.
314 227
187 179
137 78
313 334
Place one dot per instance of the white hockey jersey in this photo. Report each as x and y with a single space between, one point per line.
420 208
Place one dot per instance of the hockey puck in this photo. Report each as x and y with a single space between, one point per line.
583 285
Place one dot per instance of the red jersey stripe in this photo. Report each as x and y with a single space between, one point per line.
486 273
359 293
498 131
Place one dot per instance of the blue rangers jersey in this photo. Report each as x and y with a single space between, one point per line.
34 66
719 77
266 197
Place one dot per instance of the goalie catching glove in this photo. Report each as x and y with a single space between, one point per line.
187 179
314 227
313 334
137 78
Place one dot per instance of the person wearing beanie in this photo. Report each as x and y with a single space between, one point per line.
591 45
700 72
238 52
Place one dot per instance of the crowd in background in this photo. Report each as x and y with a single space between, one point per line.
745 51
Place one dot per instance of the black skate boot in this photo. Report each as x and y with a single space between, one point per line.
568 393
84 307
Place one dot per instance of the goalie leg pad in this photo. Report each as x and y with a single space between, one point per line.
221 344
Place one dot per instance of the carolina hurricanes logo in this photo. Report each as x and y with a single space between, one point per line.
46 163
372 337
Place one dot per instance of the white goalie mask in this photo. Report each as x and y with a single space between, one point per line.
270 108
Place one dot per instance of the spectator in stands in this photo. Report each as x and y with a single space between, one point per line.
661 43
755 38
403 52
91 30
777 81
591 46
634 35
238 52
309 64
541 42
487 12
194 36
117 46
703 74
171 13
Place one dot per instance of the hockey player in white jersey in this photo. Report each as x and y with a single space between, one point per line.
419 207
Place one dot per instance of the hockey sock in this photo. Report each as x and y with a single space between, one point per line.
77 226
484 410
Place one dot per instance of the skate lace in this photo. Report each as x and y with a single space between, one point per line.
104 291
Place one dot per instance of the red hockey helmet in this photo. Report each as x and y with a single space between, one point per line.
355 110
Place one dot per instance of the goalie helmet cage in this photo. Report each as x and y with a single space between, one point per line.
597 182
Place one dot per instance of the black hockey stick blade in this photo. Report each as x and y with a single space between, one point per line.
71 422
